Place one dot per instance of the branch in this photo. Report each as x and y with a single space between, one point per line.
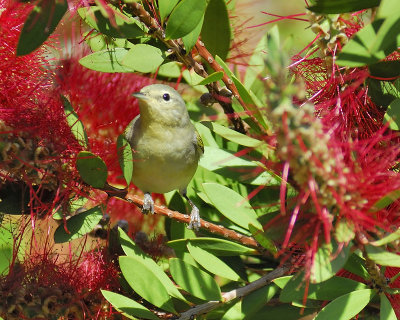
187 59
236 293
213 228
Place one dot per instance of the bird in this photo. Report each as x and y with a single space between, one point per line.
166 146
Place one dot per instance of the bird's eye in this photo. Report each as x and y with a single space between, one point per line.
166 96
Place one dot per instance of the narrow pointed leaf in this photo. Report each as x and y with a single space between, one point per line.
216 76
341 6
139 276
77 128
383 257
211 263
132 250
199 283
386 309
191 38
349 305
129 308
165 7
232 205
125 158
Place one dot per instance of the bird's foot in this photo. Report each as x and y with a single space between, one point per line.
148 204
195 222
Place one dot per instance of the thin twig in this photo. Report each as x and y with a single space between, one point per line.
236 293
187 59
184 218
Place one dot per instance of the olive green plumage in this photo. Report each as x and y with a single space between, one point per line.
166 145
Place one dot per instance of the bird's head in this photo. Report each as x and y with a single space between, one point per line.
161 103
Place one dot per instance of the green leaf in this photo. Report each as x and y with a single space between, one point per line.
355 264
143 58
216 31
127 27
358 52
386 309
132 250
232 205
198 283
125 158
92 169
385 69
211 263
386 36
109 60
165 7
6 249
247 96
128 307
77 128
169 70
139 276
233 135
388 239
392 116
262 239
349 305
219 247
184 18
341 6
382 257
40 24
216 76
386 200
78 225
324 267
330 289
191 38
344 231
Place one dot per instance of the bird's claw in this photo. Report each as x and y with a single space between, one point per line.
148 204
195 222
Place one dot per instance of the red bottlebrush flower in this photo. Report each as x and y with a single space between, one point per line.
37 144
46 285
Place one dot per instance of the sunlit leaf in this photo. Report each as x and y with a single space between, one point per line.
184 18
190 39
392 116
77 128
382 257
165 7
193 280
125 157
216 31
219 247
386 309
78 225
109 60
139 276
143 58
211 263
129 308
92 169
132 250
232 205
216 76
349 305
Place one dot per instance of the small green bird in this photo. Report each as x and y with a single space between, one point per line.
166 146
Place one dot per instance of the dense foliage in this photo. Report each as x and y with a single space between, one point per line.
298 187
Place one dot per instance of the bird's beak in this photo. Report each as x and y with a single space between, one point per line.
139 95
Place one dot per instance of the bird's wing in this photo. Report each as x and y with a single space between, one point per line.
129 131
198 142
